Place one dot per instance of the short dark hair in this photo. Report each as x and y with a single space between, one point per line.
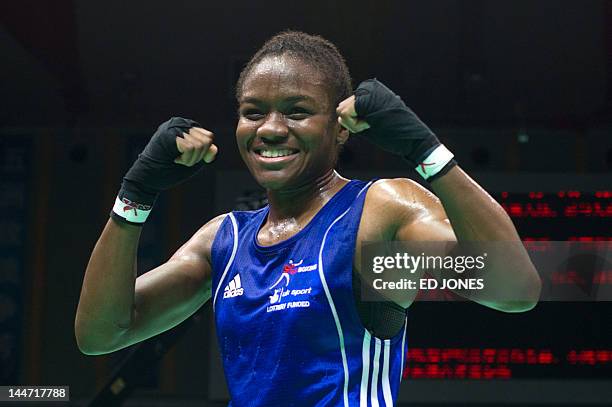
311 49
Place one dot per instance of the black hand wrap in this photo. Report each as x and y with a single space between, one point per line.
155 170
393 126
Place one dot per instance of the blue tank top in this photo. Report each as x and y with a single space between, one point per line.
287 325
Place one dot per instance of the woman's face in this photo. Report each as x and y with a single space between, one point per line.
287 130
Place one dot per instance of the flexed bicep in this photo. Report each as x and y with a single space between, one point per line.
172 292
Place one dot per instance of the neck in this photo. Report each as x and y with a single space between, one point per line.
299 202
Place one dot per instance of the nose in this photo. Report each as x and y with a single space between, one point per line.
274 128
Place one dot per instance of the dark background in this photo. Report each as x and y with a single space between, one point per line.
519 90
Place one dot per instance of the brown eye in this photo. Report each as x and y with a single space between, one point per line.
299 113
252 114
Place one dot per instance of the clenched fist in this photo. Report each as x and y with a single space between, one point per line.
176 152
347 116
195 145
381 117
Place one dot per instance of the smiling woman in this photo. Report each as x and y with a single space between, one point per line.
288 134
287 131
283 280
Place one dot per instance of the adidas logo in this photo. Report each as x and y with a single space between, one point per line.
234 288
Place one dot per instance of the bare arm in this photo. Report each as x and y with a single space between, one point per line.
475 216
117 310
416 214
106 303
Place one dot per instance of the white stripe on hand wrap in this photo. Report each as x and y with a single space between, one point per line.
434 162
131 211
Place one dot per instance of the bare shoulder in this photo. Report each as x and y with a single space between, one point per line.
392 210
200 244
401 200
393 187
212 226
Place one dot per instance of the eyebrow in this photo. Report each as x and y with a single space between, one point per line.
291 99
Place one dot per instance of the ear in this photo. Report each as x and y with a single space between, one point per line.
342 134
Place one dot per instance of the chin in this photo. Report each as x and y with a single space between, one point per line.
273 182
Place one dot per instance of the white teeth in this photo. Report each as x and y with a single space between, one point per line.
275 153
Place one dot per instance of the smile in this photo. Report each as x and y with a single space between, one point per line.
276 153
269 155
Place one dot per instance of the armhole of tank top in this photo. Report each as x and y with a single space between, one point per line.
356 291
375 307
231 223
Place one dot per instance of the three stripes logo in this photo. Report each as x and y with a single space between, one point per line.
233 288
